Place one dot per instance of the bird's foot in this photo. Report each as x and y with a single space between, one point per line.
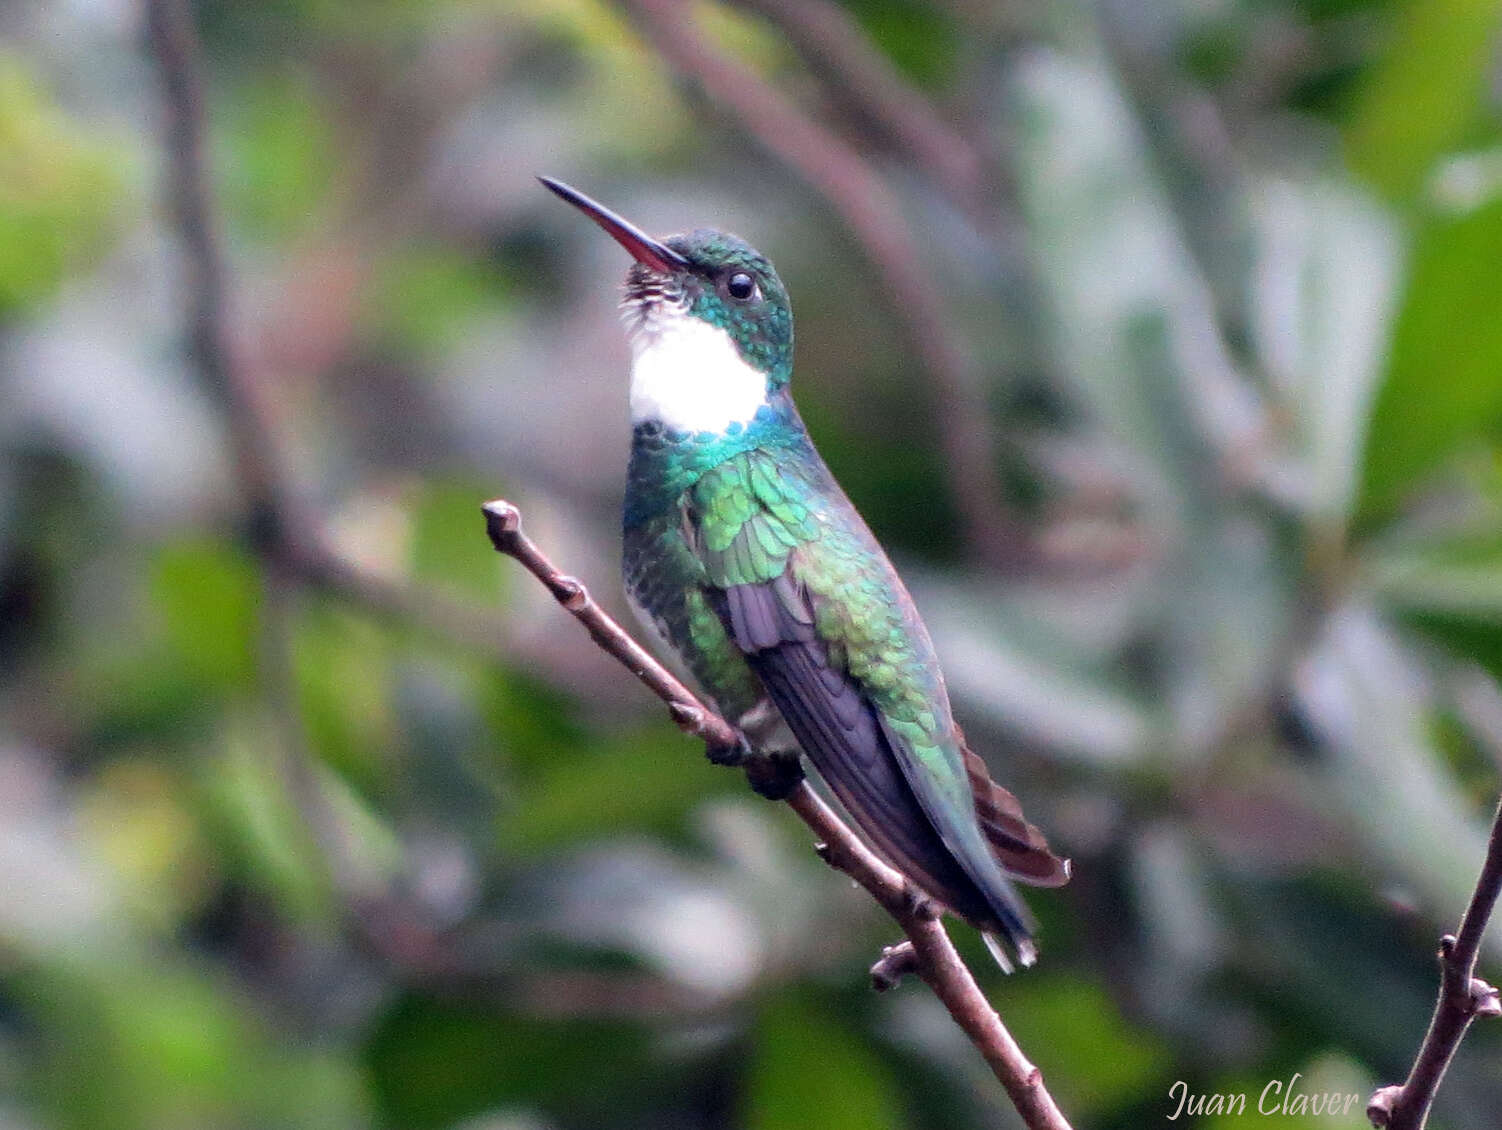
774 775
771 774
732 756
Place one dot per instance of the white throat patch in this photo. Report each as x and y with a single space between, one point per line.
688 375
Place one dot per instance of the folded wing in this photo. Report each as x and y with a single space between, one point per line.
839 680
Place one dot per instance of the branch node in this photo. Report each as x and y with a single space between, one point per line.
1380 1106
1462 997
918 904
895 963
1484 1000
825 852
571 593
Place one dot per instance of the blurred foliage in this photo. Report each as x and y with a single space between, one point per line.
805 1061
59 189
1423 98
281 165
1441 391
1237 313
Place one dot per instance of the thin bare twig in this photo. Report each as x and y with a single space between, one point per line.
1462 998
933 956
873 216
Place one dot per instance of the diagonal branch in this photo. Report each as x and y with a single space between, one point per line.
874 217
1462 998
928 950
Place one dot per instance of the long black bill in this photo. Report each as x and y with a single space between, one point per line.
643 248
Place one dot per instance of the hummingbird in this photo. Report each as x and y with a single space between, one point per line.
744 557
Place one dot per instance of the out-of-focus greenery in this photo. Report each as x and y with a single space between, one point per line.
1242 333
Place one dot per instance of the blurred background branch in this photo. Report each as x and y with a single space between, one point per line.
289 539
872 215
832 44
169 24
275 522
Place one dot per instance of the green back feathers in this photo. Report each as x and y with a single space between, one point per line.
755 521
749 520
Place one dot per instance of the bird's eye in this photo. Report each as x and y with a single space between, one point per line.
740 286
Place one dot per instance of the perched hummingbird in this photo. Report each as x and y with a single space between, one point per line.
744 555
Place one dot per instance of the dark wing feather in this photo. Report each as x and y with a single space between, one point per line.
930 809
843 735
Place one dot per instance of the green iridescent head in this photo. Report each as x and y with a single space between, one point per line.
729 284
714 277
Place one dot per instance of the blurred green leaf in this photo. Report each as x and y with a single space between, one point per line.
1128 314
646 780
1227 616
921 39
1450 590
208 595
1371 1002
1442 388
1006 657
445 545
342 664
1325 287
123 696
808 1068
259 827
1097 1062
138 817
531 722
140 1044
1366 696
1461 578
434 1062
1477 640
282 153
1425 92
894 476
60 190
428 297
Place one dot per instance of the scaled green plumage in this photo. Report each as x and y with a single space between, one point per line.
745 555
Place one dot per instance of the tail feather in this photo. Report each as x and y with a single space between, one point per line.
1027 953
1018 846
